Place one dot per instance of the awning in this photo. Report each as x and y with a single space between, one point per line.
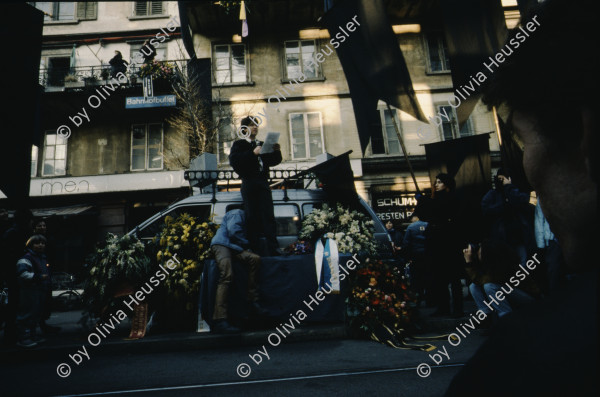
61 211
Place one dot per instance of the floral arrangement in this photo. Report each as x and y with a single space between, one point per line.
119 262
300 247
157 70
379 295
352 231
188 239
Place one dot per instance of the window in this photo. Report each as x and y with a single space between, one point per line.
306 132
146 147
147 8
287 220
437 51
161 51
87 10
387 142
449 128
57 11
298 53
58 68
55 154
34 160
227 135
230 63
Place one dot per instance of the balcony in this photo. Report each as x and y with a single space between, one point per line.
80 78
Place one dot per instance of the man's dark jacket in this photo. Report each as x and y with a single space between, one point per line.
246 163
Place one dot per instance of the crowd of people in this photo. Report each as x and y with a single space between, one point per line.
25 272
512 233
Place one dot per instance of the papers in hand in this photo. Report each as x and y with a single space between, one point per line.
271 139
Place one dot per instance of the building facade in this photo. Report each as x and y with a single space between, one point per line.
286 74
99 164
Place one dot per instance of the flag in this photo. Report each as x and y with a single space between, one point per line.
373 64
243 19
474 30
338 180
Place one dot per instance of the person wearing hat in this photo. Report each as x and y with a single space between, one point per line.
506 209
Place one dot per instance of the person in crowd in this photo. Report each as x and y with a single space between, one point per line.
12 246
442 247
228 244
395 235
506 209
490 268
413 249
551 252
34 282
118 64
253 168
39 227
551 346
149 51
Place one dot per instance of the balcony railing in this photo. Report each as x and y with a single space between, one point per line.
84 76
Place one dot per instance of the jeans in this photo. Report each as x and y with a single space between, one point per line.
487 293
224 257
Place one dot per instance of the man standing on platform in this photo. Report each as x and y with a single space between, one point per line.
253 167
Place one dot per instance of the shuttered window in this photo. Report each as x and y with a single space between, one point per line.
148 8
87 10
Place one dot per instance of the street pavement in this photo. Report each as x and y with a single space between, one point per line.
314 360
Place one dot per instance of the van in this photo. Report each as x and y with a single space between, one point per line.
291 206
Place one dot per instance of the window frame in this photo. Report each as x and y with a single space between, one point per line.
248 80
442 54
319 69
55 12
306 135
148 9
146 151
456 130
66 141
386 144
86 5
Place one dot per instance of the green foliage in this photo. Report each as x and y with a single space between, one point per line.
116 263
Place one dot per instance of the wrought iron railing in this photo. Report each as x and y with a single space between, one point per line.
80 76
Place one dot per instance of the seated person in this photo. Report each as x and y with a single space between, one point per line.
493 267
230 243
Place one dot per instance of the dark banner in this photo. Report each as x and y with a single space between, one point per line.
373 63
474 31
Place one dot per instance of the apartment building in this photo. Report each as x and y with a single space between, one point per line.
110 173
314 114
